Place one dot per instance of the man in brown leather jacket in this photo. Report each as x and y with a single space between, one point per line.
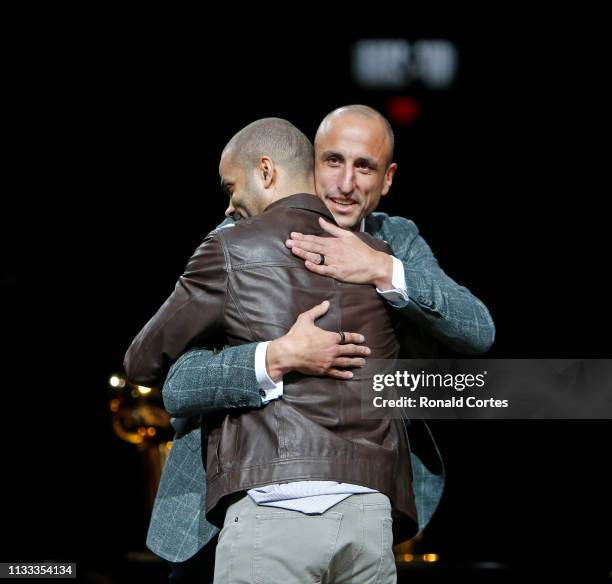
244 285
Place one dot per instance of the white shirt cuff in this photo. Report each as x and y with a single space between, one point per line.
398 295
268 388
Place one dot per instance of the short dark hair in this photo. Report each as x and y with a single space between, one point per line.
274 137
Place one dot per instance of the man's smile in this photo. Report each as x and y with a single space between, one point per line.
342 205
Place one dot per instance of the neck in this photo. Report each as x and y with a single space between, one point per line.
357 228
286 189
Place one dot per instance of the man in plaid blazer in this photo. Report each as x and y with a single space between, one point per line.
438 309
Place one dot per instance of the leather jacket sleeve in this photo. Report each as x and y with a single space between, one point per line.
193 314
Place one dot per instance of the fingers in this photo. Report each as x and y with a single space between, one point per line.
307 245
308 239
315 258
357 350
318 269
332 229
340 374
316 311
349 362
352 338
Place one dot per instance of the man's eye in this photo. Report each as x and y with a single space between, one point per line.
333 160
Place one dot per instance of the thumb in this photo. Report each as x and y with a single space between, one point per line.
317 311
331 228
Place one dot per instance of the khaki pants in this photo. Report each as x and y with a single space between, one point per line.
349 543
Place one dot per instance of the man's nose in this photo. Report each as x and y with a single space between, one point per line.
347 181
230 210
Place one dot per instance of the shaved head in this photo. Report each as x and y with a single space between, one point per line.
359 111
354 165
267 160
276 138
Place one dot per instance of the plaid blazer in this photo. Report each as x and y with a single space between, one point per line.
203 382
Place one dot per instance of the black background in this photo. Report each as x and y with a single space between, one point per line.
116 131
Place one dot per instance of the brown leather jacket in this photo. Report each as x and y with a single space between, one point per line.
244 284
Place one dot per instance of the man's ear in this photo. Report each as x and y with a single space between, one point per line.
389 178
267 171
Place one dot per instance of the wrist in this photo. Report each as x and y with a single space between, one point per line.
383 271
278 358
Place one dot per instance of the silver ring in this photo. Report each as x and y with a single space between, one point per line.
342 338
321 259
